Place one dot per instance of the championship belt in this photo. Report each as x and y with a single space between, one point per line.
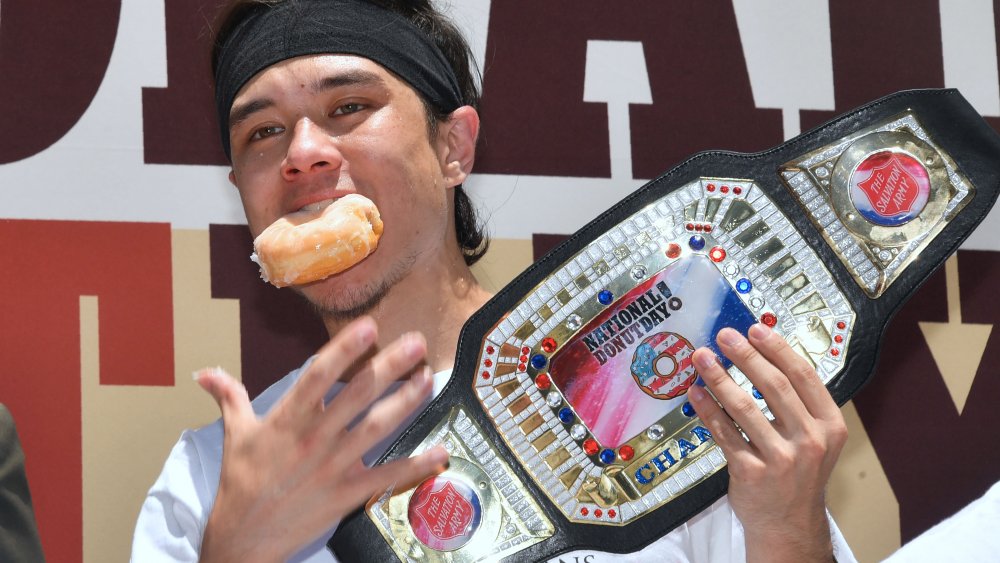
566 415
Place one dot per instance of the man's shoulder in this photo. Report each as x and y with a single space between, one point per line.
210 435
269 397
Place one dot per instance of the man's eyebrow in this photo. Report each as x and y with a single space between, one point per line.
358 77
241 112
355 77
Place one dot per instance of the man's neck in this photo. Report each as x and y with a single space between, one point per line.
435 299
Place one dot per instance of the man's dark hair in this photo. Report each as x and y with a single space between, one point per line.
472 238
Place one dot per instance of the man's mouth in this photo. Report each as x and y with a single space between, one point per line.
317 205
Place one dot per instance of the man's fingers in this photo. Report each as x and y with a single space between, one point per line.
386 415
769 378
724 432
332 360
389 365
229 394
734 400
400 474
802 377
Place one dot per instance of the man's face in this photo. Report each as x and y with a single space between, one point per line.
316 128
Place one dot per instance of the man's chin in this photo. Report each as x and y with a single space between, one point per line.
356 291
334 301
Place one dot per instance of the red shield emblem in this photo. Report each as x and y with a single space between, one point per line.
891 189
445 513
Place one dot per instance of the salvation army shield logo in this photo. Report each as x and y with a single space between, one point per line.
444 513
890 188
662 366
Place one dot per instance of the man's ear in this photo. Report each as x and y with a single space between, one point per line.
458 145
232 177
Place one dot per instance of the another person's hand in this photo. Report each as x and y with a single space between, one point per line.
778 473
289 477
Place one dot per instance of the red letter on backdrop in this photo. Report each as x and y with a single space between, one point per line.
536 122
872 59
48 265
179 123
53 55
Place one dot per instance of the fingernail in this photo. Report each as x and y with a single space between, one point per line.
413 343
197 375
760 331
423 378
439 456
696 393
729 337
366 333
703 359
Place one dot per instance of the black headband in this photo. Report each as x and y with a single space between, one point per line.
273 33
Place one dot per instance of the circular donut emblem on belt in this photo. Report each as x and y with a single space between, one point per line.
662 366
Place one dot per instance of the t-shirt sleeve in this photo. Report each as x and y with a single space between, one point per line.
968 535
841 550
173 516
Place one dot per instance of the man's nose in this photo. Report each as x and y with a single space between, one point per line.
311 150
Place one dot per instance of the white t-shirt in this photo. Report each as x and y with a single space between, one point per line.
177 507
969 535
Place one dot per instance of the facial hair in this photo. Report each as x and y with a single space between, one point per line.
352 302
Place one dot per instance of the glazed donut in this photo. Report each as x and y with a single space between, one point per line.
309 245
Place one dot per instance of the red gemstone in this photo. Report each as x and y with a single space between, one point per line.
717 254
590 446
525 350
708 228
673 250
737 190
486 375
838 339
698 228
612 513
841 325
523 359
835 352
543 382
769 319
490 350
521 367
710 187
724 189
690 226
487 362
626 453
598 513
549 345
584 511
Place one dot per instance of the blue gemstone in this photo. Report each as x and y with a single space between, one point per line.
607 456
696 242
566 415
744 286
756 394
688 410
538 361
605 297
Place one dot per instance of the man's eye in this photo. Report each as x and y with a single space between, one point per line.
348 108
265 132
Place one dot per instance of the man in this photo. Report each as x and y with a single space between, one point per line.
318 99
